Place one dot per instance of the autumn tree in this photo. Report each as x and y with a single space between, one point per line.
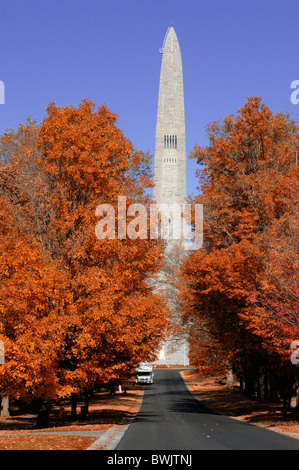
76 311
231 284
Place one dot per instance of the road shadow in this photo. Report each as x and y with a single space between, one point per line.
189 404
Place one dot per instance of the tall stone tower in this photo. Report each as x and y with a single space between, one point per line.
170 149
170 182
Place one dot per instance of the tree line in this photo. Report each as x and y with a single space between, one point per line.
240 292
76 312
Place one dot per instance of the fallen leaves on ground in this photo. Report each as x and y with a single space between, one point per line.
104 411
230 402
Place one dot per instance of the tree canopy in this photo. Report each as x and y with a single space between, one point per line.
241 289
75 311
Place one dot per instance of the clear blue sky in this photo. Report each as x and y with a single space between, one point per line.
108 51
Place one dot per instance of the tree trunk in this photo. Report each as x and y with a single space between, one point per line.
249 387
4 406
229 378
258 387
264 386
84 409
74 399
284 405
44 415
86 400
241 385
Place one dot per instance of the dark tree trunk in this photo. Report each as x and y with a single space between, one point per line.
249 387
74 399
241 385
84 409
265 394
44 415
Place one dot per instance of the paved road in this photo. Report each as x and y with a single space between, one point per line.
170 418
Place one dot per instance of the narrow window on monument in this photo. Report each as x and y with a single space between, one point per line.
176 142
165 141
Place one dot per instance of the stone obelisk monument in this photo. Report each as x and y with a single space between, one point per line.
170 180
170 149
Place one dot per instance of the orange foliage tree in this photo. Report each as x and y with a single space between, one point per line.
232 287
76 311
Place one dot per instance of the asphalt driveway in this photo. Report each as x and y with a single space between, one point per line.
170 418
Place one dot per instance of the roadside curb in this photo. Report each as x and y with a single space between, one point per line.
266 426
110 439
102 440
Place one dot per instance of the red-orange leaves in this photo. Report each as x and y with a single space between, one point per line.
243 285
76 311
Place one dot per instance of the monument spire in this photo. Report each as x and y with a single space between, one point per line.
170 181
170 146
